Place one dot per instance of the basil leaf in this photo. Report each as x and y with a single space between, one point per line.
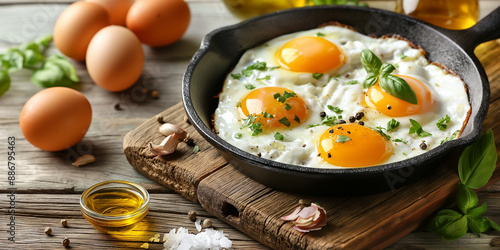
441 123
43 42
478 224
370 80
32 58
55 71
4 82
392 124
370 62
448 224
494 225
342 138
477 211
399 88
279 136
478 161
13 59
386 69
417 128
466 198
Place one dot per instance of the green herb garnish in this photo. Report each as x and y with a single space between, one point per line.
403 56
441 123
238 135
261 66
273 68
337 110
236 76
296 118
329 121
249 86
451 137
475 168
196 149
256 128
317 76
284 97
267 77
352 82
279 136
392 124
394 85
380 130
285 121
342 138
319 34
267 115
287 106
417 128
399 140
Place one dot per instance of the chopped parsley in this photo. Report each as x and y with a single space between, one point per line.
392 124
352 82
296 118
267 115
441 123
380 130
285 121
261 66
317 76
329 121
451 137
249 120
320 34
236 76
267 77
342 138
284 97
399 140
417 128
249 86
238 135
279 136
335 109
287 106
256 128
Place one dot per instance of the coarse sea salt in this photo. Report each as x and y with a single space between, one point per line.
181 239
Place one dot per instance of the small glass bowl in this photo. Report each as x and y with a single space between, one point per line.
114 223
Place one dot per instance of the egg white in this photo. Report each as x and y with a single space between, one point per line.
332 88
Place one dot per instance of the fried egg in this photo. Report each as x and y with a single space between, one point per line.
299 99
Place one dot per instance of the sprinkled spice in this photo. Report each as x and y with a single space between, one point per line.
322 114
339 128
64 223
349 132
423 146
192 215
361 123
329 155
352 119
117 106
319 154
330 131
48 230
65 242
304 145
389 107
341 122
259 154
159 119
359 115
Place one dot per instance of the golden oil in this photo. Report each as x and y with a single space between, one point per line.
114 206
249 8
450 14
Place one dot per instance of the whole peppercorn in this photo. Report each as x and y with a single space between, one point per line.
341 121
361 123
65 242
48 230
352 119
192 215
155 94
207 223
64 223
423 146
322 114
359 115
160 120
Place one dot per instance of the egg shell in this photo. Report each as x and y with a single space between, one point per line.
76 26
117 9
55 118
158 22
115 58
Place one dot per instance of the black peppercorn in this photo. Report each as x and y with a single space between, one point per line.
423 146
389 107
322 114
361 123
352 118
341 121
359 115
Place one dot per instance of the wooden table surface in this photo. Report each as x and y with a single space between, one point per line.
47 187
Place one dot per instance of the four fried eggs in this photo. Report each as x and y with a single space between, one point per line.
299 99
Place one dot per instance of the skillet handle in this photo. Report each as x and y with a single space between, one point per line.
485 30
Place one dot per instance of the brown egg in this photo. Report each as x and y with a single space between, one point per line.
159 22
76 25
115 58
55 118
117 9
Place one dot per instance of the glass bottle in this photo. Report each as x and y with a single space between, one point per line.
249 8
450 14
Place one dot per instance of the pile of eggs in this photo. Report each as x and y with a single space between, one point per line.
299 99
93 30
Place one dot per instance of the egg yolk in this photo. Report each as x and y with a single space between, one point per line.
310 54
274 107
384 102
353 145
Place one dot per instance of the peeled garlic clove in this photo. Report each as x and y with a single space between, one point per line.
167 146
167 129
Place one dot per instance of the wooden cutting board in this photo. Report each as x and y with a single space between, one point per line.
373 221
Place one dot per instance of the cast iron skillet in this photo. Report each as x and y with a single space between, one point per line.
221 49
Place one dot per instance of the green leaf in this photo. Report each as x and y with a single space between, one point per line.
236 76
398 88
249 120
494 225
279 136
478 161
287 106
417 128
238 135
392 124
285 121
249 86
256 128
441 123
297 119
337 110
477 211
267 77
478 224
267 115
196 149
4 82
43 42
319 34
370 61
317 76
342 138
370 80
386 69
329 121
55 71
352 82
13 59
381 132
448 224
451 137
466 198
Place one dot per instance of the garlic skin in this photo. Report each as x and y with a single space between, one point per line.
307 219
167 129
83 160
167 146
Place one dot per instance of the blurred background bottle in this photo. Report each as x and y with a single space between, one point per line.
450 14
249 8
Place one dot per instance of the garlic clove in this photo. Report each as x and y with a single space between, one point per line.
167 129
167 146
